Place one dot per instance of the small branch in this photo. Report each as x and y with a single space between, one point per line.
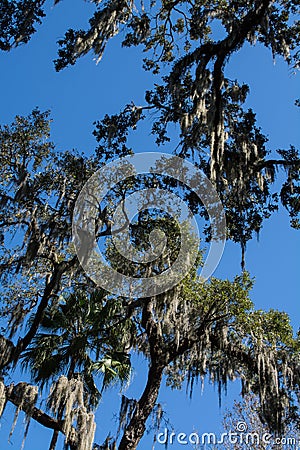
278 162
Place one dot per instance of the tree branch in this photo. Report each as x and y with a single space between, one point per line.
13 396
10 352
278 162
37 414
231 43
50 289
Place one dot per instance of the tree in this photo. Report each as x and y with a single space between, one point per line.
195 329
254 433
74 330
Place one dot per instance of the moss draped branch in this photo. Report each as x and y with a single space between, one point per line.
12 394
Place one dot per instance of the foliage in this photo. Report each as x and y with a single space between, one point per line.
59 324
76 332
255 434
79 335
215 128
17 21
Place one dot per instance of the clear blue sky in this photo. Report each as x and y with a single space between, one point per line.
84 93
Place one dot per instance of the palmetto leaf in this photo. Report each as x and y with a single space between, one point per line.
76 337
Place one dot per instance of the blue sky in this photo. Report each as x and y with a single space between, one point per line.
84 93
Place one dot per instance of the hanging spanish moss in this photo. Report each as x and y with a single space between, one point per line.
2 397
126 410
105 25
86 428
223 352
27 396
6 350
70 394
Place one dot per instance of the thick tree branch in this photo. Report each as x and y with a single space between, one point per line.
50 289
13 396
35 413
10 352
219 51
224 48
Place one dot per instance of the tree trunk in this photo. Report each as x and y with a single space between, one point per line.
137 425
